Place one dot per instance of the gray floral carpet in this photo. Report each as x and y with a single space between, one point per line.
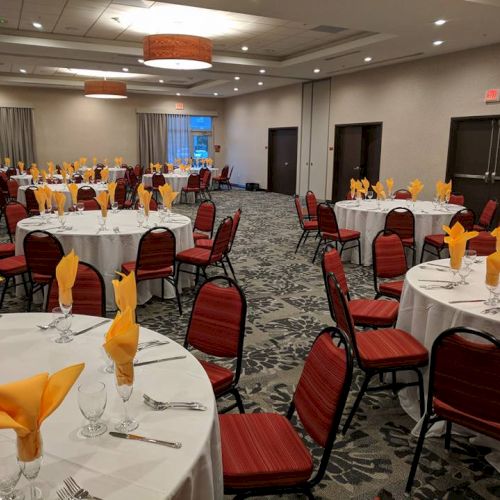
287 308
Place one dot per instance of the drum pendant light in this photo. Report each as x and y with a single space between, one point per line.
105 89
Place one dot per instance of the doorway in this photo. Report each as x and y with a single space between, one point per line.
474 159
357 155
282 160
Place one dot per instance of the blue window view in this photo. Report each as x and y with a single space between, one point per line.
200 146
200 123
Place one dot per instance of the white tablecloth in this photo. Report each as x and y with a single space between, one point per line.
177 181
111 468
25 179
114 172
107 251
369 220
427 313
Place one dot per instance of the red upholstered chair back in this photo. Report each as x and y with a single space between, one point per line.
97 173
152 204
312 204
230 174
10 172
236 223
464 375
298 207
221 240
156 249
224 173
31 203
120 192
323 386
85 193
193 181
217 323
205 176
457 199
91 205
327 222
483 243
137 172
331 263
401 221
389 260
158 180
402 194
488 213
466 217
205 217
89 293
12 186
14 212
77 179
3 183
43 251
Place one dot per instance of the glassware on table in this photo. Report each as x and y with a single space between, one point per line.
140 217
494 293
127 424
81 207
161 212
114 207
102 222
30 471
62 321
10 473
62 220
92 400
464 271
369 195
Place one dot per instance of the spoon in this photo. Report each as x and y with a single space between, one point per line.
52 324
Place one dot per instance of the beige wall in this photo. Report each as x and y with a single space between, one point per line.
69 125
248 119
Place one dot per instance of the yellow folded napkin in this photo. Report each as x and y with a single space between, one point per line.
111 191
20 166
64 174
352 186
41 199
94 161
359 187
390 185
44 176
105 174
379 189
170 167
496 234
87 175
25 404
126 292
48 194
105 161
140 190
60 201
66 275
493 269
76 165
51 168
152 168
7 162
157 167
168 196
146 200
415 187
83 160
457 241
366 184
121 345
117 161
103 200
73 189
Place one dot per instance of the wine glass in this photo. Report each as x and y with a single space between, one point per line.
62 322
30 471
161 212
494 290
10 473
62 221
127 424
92 400
369 195
140 218
81 207
464 271
114 207
102 222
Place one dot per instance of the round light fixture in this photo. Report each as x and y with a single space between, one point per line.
216 93
22 70
177 52
37 25
125 69
436 43
177 93
236 77
316 70
161 81
368 59
236 89
105 89
140 60
262 71
440 22
260 83
244 48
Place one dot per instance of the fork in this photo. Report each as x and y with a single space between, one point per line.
147 345
491 310
64 494
164 405
78 492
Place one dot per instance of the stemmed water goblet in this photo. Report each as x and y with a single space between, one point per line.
140 217
92 400
369 195
30 471
114 207
102 222
10 473
80 207
62 321
127 424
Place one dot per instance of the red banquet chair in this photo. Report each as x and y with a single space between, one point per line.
484 244
378 352
13 187
193 186
14 212
402 194
156 181
10 268
153 206
204 221
120 193
457 199
389 261
434 243
487 216
312 205
205 180
402 222
372 313
223 178
31 203
90 205
329 230
89 292
263 454
156 260
307 226
86 193
217 328
4 187
463 386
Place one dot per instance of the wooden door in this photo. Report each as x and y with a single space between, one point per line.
371 149
282 160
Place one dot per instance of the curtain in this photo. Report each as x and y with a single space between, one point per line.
152 138
178 137
16 135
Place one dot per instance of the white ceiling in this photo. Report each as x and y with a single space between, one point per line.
288 38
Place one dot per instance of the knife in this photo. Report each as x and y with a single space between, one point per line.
142 363
465 301
438 281
135 437
85 330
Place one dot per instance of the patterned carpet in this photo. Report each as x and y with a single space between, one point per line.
286 310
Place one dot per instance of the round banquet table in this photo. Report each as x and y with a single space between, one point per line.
115 173
108 250
177 181
111 468
369 220
63 188
425 313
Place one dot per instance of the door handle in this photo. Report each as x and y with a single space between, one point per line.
486 175
286 164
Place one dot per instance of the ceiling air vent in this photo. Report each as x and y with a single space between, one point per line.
338 56
323 28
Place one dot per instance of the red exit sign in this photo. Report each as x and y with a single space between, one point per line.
492 95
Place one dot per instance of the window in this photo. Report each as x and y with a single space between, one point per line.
189 136
203 123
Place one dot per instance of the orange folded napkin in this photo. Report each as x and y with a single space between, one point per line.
140 190
20 166
51 168
117 161
152 168
66 275
105 174
35 173
390 185
170 167
60 202
415 187
103 199
125 291
73 189
105 161
83 161
25 404
44 175
76 165
7 162
111 191
379 190
447 190
146 200
157 167
359 187
366 184
168 196
41 199
64 174
493 269
48 194
87 175
352 187
457 241
121 345
496 234
94 161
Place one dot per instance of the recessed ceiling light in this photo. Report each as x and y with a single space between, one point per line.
316 70
177 93
161 81
216 93
236 89
125 69
236 77
262 71
37 25
244 48
368 59
440 22
22 70
260 83
437 42
140 60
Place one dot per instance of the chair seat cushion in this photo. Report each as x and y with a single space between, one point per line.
196 256
11 266
204 244
478 227
199 236
390 347
147 274
343 234
262 449
408 242
392 288
221 378
436 240
368 312
190 190
7 250
310 225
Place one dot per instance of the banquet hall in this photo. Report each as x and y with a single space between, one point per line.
249 249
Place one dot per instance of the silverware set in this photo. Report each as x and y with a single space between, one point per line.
491 310
161 360
152 343
72 491
165 405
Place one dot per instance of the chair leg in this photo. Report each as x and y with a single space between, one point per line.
197 279
356 403
239 401
162 289
224 267
231 267
300 240
305 239
421 392
422 254
418 451
317 249
4 290
447 436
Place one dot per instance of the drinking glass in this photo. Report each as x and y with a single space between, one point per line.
140 218
470 256
30 471
464 271
127 424
92 402
114 207
494 293
81 207
62 322
161 212
62 221
369 195
102 222
10 473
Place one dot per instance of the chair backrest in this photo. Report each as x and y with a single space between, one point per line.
77 179
90 205
464 374
89 292
205 217
457 199
158 180
43 251
221 240
401 221
483 243
31 203
205 176
120 192
12 186
236 223
332 263
14 212
311 204
389 260
230 173
402 194
300 213
85 193
224 173
3 183
488 213
156 249
152 204
193 181
97 172
11 171
466 217
327 222
217 323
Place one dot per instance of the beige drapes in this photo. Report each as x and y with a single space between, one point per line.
16 135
